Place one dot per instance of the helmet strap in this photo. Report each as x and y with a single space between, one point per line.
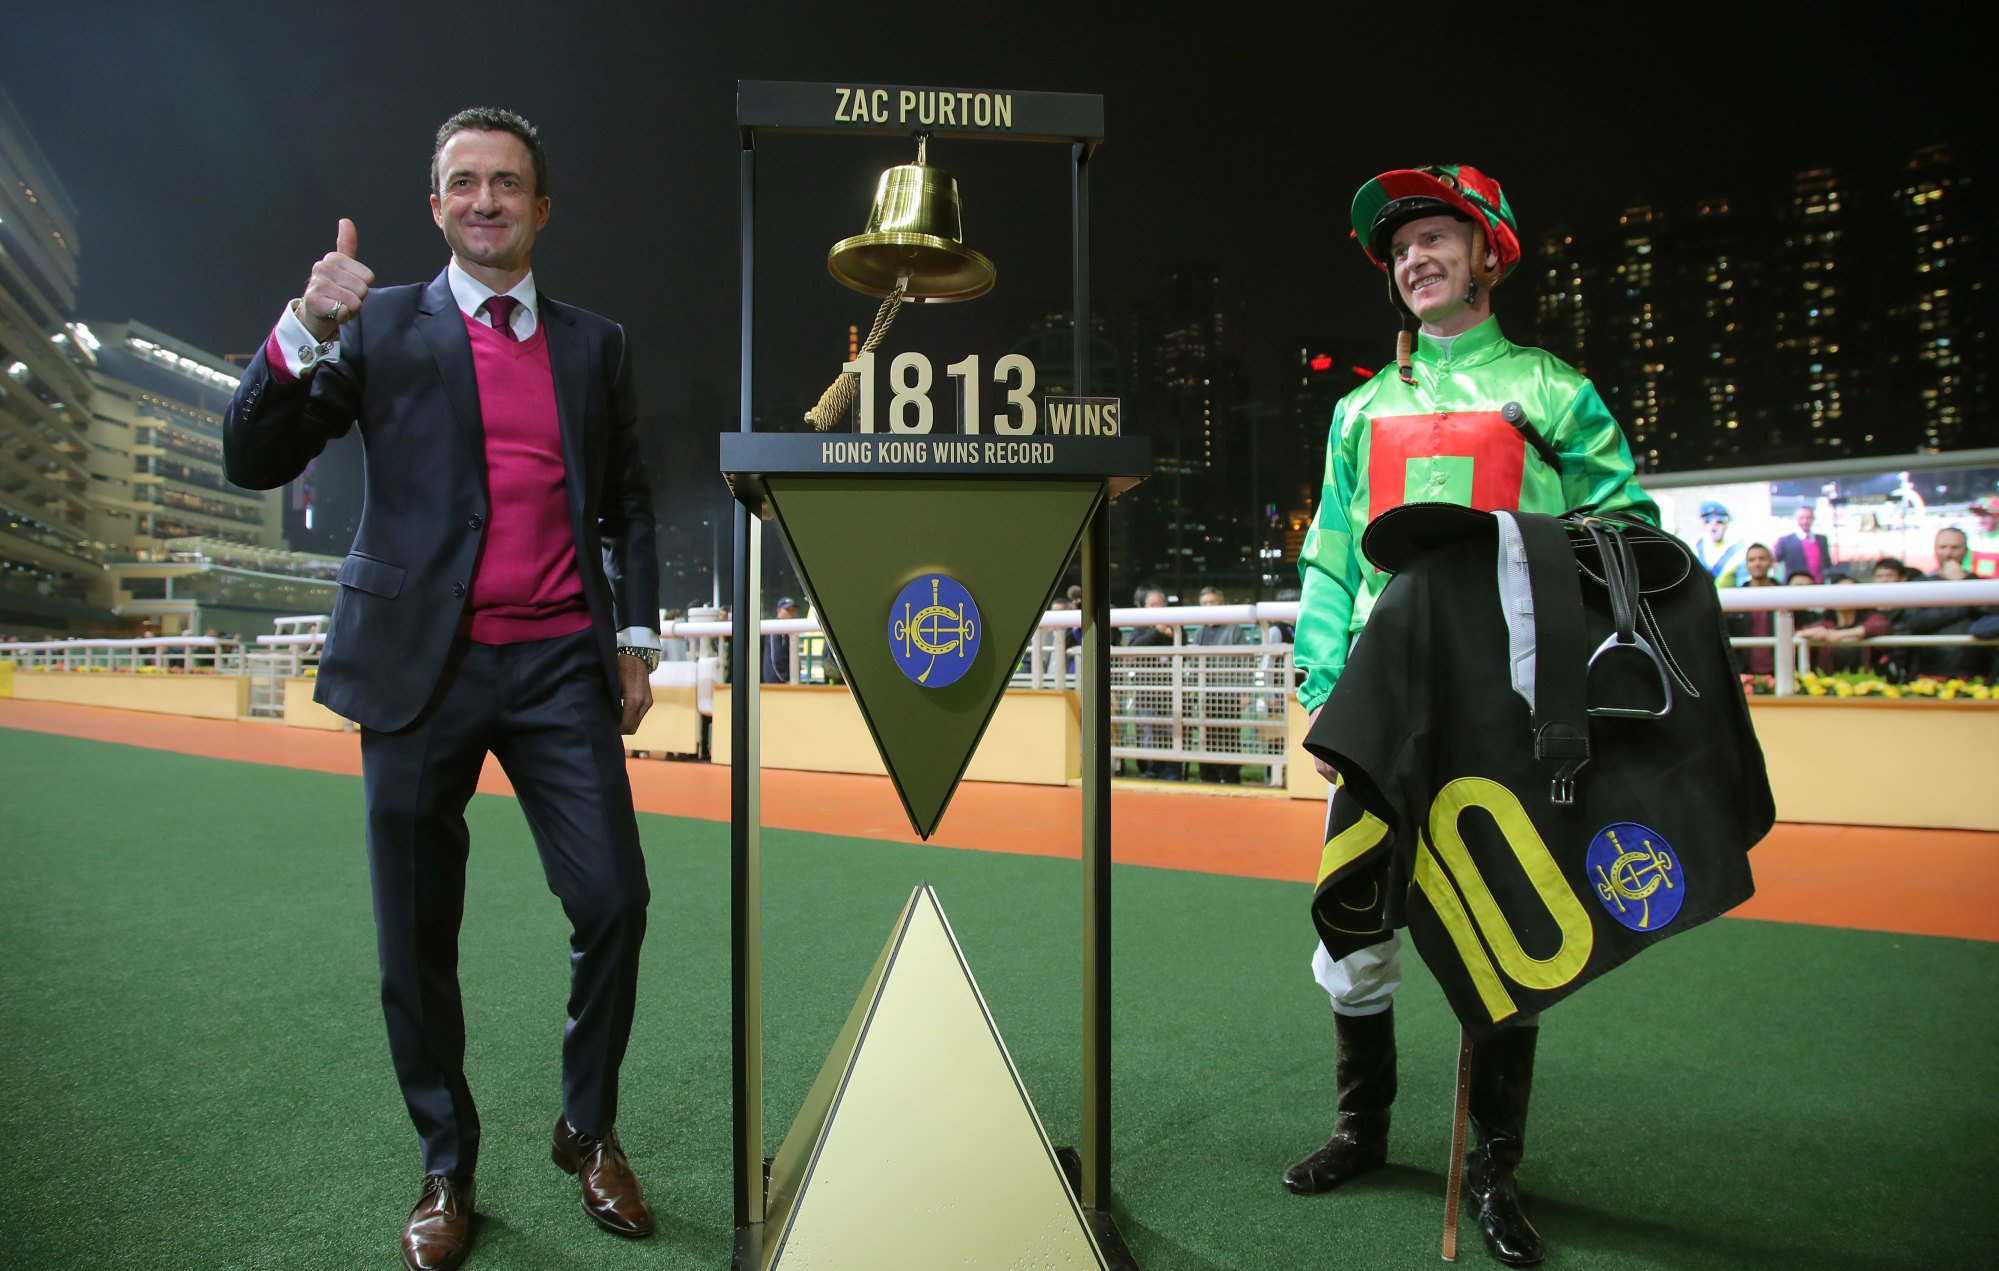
1482 277
1405 339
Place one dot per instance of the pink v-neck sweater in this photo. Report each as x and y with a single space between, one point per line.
525 585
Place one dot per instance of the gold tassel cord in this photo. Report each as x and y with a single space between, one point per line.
839 395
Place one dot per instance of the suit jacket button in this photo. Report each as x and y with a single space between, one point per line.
474 522
458 589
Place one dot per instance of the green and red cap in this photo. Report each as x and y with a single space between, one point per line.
1392 199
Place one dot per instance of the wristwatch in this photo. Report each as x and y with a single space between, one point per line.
648 656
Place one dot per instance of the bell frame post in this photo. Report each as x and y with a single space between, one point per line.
1074 120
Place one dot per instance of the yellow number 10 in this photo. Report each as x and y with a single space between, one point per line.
1442 859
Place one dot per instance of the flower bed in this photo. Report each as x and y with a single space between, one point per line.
1868 684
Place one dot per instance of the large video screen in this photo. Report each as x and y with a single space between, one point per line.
1864 518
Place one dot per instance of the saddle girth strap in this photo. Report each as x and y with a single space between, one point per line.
1561 642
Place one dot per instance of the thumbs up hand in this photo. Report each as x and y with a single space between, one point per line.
338 283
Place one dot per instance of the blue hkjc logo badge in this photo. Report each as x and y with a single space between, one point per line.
934 630
1636 875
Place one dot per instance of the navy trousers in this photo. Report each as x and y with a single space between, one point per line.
541 708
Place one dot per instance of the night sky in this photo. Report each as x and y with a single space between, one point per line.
209 149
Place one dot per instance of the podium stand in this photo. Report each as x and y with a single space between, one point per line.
869 516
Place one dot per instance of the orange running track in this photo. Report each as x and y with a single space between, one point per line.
1924 882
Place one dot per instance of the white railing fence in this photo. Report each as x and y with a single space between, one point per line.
148 655
1784 604
288 653
1219 705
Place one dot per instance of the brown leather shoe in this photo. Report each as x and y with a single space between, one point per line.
439 1232
611 1193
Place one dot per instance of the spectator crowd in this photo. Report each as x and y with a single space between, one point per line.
1846 639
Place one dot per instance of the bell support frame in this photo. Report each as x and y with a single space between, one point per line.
858 110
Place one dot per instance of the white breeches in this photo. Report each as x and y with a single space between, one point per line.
1363 982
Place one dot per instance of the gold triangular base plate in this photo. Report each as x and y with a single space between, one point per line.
918 1147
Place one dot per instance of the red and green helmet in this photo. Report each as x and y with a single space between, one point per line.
1392 199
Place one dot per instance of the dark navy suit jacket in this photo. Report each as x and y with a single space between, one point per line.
405 376
1790 553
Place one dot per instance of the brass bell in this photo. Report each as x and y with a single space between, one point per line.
915 231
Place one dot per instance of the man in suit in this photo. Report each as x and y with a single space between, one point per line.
501 596
1804 551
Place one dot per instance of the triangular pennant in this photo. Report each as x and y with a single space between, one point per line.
928 591
918 1145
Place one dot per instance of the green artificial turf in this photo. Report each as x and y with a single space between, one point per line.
195 1072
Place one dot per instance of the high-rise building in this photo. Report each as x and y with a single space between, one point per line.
1318 380
1050 344
1721 330
1562 288
1191 523
51 572
1939 287
1831 323
1631 336
1291 461
1818 323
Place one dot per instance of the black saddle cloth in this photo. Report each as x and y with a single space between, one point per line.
1534 835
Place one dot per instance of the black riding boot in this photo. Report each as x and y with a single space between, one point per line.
1502 1074
1364 1066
